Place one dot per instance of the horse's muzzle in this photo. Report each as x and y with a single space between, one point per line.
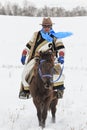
47 83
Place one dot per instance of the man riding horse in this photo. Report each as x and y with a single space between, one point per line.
42 40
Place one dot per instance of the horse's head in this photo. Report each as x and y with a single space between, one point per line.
46 64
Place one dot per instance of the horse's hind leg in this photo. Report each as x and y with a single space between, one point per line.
53 108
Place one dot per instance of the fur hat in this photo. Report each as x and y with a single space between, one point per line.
47 21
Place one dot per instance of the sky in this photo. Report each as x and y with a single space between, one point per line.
67 4
18 114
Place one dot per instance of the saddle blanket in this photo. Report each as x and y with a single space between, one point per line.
58 80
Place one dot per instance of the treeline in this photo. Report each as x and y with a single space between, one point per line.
30 10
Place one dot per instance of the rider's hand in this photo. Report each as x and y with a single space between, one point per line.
61 59
23 58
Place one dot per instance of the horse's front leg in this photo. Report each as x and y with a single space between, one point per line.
39 117
38 108
42 114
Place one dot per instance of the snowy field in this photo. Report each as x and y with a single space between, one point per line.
16 114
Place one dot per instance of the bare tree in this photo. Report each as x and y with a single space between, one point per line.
8 8
29 9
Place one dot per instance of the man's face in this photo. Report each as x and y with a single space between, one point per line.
47 28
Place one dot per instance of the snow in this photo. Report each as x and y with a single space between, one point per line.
16 114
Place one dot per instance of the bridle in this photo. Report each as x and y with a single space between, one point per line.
42 76
40 72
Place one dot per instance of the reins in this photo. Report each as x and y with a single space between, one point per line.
59 75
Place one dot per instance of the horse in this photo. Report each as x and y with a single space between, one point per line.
41 87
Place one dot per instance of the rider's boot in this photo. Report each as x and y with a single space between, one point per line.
24 93
60 90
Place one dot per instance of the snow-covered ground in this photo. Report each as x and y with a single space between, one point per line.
16 114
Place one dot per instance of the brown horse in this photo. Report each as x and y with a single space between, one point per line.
41 87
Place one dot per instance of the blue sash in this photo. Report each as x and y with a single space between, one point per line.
59 35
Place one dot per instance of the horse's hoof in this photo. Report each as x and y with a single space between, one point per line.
42 125
53 120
